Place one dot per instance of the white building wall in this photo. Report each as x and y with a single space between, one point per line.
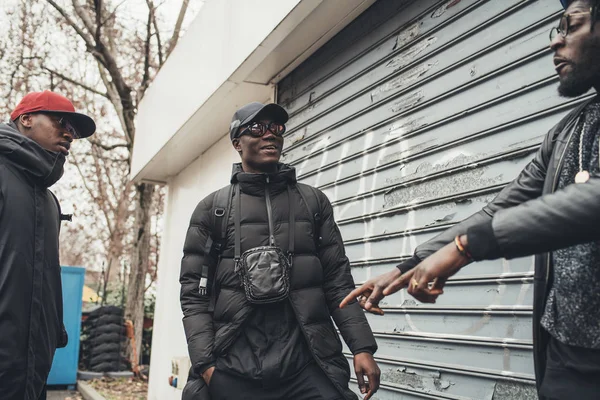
208 173
220 38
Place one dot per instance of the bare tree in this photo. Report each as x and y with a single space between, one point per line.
105 57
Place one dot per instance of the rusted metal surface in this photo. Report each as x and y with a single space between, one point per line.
411 119
511 391
404 80
489 37
499 324
465 354
443 8
440 86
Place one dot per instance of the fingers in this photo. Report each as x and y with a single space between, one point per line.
437 287
373 309
374 299
368 296
424 291
370 392
421 295
361 381
399 283
425 298
356 293
376 310
373 385
207 375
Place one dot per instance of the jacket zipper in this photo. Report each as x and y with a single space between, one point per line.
269 212
272 239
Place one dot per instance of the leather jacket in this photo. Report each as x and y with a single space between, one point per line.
529 216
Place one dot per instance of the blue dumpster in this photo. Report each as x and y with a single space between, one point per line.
64 365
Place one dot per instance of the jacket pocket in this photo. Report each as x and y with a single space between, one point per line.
195 389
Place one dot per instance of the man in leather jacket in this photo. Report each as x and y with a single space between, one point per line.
33 147
287 346
551 210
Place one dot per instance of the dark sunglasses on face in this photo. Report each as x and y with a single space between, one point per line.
258 129
65 124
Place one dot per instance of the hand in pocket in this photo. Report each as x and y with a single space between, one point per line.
207 375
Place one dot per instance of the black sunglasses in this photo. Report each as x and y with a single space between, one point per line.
258 129
65 123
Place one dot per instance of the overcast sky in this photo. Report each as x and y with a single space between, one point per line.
137 8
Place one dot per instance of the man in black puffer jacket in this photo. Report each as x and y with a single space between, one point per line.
287 349
33 147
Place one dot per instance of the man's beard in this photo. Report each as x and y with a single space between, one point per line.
578 81
584 74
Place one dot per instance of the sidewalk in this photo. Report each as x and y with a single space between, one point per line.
63 395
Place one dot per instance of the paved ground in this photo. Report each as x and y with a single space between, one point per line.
62 395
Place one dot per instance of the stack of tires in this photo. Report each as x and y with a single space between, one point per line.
104 341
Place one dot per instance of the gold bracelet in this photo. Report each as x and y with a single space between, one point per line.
461 248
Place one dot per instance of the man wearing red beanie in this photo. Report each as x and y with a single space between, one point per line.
33 147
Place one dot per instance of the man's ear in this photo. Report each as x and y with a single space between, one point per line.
236 145
25 120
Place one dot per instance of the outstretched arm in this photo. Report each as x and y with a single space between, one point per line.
527 186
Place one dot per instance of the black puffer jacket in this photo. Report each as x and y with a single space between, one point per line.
319 280
530 217
30 287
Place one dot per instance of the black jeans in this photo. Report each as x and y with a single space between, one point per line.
572 373
43 395
310 384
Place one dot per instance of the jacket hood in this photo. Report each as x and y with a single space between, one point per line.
254 184
44 167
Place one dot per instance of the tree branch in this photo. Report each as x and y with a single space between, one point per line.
105 158
75 82
108 147
153 276
73 24
113 96
178 24
98 33
106 171
107 60
161 59
112 14
159 44
91 193
146 78
105 203
23 36
83 15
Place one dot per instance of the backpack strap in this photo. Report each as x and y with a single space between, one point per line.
311 199
219 216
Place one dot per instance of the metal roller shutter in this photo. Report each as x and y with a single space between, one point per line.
411 119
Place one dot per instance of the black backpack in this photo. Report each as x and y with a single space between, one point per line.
220 215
